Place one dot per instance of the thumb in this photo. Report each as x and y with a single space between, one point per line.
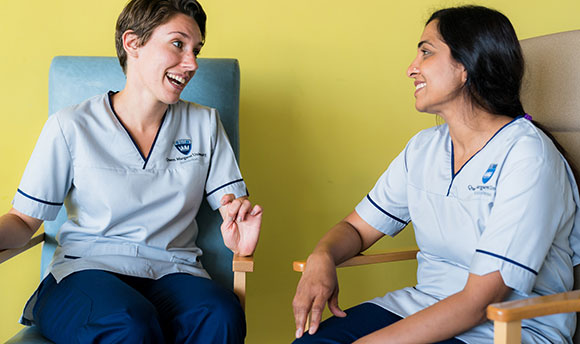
333 305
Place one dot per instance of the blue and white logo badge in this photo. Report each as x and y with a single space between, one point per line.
489 173
183 146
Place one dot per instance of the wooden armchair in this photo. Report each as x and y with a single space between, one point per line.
551 94
216 84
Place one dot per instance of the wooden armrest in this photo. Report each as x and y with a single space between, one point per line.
243 264
9 253
534 307
363 259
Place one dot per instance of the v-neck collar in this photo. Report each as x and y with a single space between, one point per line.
453 173
145 158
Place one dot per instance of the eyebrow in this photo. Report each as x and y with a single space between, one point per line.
179 33
424 42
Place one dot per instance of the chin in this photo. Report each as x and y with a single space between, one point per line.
171 100
420 108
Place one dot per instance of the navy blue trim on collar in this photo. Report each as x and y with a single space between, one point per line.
38 199
386 212
223 186
508 260
453 174
145 158
155 140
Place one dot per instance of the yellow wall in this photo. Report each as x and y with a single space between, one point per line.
325 106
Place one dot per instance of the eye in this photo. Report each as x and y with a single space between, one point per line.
178 44
425 52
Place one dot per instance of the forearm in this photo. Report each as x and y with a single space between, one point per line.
14 231
340 243
446 318
441 321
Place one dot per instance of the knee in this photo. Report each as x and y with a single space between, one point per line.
226 309
217 320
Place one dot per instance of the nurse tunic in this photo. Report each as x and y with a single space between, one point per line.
127 213
511 208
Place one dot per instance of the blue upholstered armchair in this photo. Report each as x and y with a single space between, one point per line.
216 84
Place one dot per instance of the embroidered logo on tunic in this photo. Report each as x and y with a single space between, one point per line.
489 173
183 146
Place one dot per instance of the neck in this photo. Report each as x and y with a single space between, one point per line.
470 130
138 112
470 127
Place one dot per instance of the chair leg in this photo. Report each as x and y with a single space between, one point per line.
507 332
240 287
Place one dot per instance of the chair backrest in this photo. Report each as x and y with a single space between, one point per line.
216 84
551 94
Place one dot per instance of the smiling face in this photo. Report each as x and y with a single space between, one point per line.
161 68
438 77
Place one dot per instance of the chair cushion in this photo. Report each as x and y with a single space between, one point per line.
28 335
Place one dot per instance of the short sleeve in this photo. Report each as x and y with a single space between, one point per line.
533 202
224 175
385 207
48 175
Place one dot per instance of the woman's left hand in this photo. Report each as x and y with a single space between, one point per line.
241 226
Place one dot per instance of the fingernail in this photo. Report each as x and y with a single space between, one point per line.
230 219
239 219
298 333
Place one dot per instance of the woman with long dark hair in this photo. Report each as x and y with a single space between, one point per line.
490 196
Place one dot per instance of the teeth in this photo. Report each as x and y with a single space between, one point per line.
176 78
421 85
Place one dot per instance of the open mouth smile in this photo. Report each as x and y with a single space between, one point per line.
176 80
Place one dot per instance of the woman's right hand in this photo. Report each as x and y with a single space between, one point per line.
317 286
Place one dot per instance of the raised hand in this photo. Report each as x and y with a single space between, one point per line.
241 226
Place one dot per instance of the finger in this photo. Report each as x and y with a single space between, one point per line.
301 310
333 305
257 210
316 314
244 209
227 198
233 209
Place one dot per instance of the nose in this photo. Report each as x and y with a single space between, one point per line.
189 62
413 70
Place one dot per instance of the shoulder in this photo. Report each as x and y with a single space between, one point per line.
522 140
81 116
83 113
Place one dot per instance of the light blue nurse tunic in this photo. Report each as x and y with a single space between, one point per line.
127 213
512 208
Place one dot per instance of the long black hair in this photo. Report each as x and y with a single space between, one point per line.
484 41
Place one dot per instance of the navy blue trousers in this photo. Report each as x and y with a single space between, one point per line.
360 321
95 306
